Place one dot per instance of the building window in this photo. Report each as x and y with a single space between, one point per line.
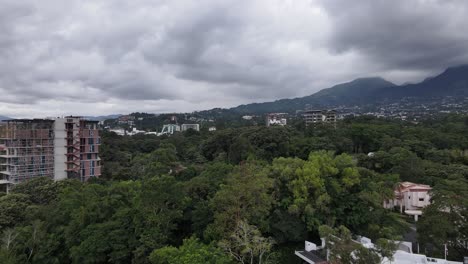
91 141
91 133
421 199
89 156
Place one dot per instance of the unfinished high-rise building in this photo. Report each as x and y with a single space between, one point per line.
58 148
312 117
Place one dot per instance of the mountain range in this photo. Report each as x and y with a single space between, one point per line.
4 118
366 91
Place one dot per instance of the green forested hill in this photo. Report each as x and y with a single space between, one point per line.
452 82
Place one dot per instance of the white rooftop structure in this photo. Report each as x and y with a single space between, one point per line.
314 254
169 129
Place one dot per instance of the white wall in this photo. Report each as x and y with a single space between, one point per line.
60 149
411 200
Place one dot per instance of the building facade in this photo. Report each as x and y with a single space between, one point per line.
186 127
276 119
312 117
410 198
58 148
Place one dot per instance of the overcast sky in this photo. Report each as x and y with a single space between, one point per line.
102 57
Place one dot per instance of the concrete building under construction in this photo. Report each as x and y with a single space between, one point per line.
58 148
312 117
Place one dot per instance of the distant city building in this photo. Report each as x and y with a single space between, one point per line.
126 119
135 131
312 117
212 128
169 129
314 254
247 117
186 127
57 148
411 198
118 131
276 119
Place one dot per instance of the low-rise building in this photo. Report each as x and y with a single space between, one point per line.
410 198
312 117
276 119
186 127
169 129
126 119
314 254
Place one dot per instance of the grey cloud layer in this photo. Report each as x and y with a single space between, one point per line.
210 53
402 34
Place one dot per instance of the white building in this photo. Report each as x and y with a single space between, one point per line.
169 129
276 119
312 117
247 117
135 131
186 127
212 129
314 254
118 131
411 198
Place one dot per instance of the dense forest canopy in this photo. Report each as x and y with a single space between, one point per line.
244 195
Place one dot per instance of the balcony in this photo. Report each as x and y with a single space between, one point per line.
4 182
4 172
5 155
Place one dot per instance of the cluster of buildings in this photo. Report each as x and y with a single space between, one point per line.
410 109
166 130
58 148
310 117
172 128
314 254
410 199
126 120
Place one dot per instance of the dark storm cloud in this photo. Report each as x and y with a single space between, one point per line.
181 55
401 34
